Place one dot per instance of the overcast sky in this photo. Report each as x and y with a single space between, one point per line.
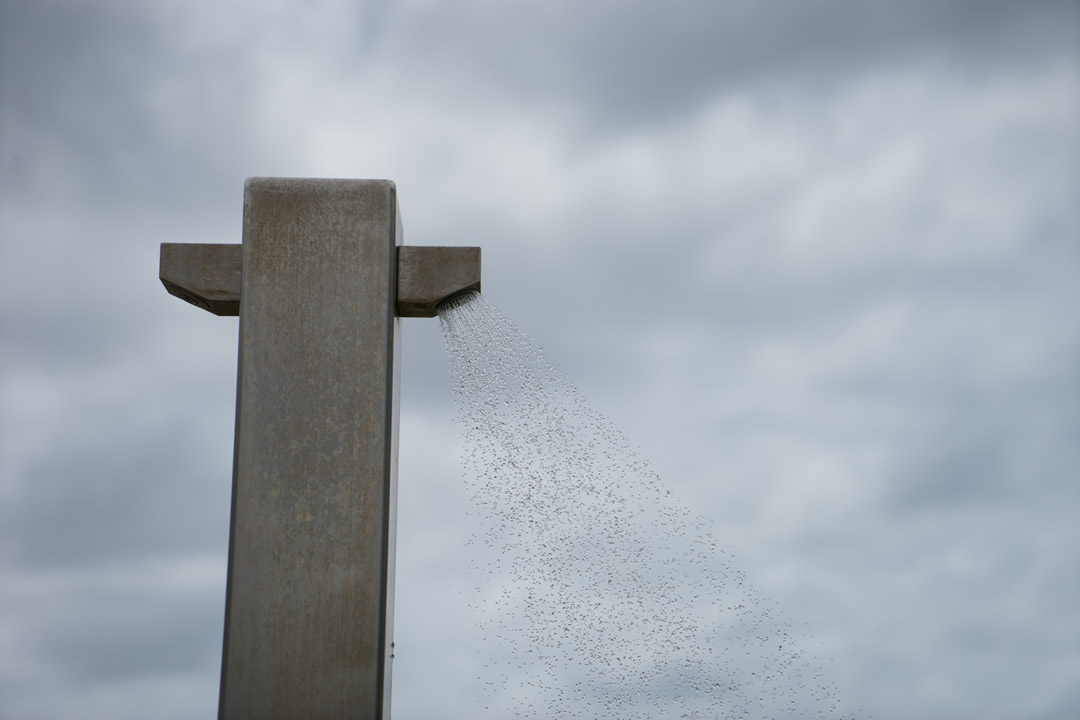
819 259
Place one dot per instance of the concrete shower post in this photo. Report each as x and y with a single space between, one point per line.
310 589
315 468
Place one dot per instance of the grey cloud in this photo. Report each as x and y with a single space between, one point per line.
645 62
104 107
1063 708
960 472
147 494
109 635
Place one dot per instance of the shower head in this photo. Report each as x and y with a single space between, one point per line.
429 275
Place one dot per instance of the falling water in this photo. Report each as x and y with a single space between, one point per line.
602 596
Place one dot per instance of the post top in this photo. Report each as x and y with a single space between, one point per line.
301 183
210 276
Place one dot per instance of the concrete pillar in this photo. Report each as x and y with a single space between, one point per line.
309 604
318 282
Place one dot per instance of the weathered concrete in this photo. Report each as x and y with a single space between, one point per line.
208 276
309 607
318 283
429 275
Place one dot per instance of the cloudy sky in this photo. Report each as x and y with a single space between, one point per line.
819 259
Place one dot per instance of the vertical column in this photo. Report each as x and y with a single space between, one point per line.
309 603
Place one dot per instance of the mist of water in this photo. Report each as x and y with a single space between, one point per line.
599 594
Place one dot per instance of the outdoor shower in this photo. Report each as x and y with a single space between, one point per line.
319 283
